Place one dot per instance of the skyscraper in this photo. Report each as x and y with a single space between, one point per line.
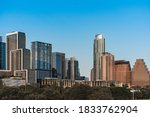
73 69
41 55
123 72
99 48
140 74
108 66
14 41
66 67
2 54
58 63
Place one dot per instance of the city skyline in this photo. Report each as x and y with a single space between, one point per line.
70 26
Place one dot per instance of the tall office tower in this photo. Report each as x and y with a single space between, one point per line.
58 63
41 55
99 48
140 74
66 67
14 41
73 69
108 66
2 54
19 59
123 72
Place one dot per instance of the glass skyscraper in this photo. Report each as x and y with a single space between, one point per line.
99 48
2 54
41 55
58 63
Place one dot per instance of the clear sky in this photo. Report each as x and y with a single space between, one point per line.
70 26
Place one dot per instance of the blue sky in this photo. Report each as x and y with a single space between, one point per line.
70 26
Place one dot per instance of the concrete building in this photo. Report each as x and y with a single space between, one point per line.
14 41
58 63
92 74
5 73
69 83
32 76
2 55
140 74
123 72
73 69
108 66
41 55
13 82
99 48
19 59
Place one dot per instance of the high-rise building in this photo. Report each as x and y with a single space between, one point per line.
19 59
2 54
123 72
99 48
41 55
66 67
58 63
108 66
92 74
73 69
14 41
140 74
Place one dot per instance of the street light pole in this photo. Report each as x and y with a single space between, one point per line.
133 91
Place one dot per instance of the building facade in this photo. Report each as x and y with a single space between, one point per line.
14 41
58 64
99 48
73 69
92 74
66 67
19 59
123 72
108 66
2 55
41 55
140 74
69 83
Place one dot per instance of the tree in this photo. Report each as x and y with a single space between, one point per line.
100 93
120 93
77 92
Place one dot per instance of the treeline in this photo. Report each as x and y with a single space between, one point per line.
77 92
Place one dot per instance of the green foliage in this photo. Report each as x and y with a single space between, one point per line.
120 93
77 92
145 93
100 93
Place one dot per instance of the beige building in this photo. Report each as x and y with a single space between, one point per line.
92 74
19 59
123 72
108 66
69 83
140 74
